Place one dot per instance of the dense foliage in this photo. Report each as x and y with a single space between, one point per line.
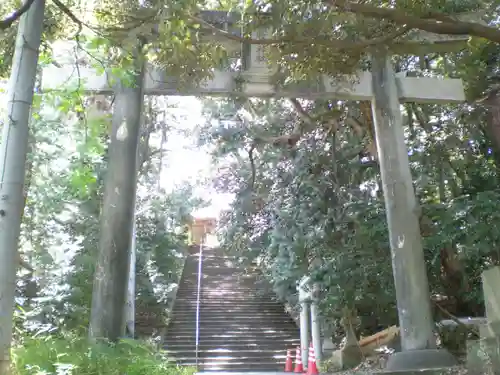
47 354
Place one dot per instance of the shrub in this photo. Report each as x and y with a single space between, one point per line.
73 355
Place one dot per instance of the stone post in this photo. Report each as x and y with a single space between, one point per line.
402 210
490 332
316 324
304 297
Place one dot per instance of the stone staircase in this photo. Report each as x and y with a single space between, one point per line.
241 328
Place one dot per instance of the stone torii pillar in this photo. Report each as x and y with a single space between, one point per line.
402 211
308 300
316 323
304 297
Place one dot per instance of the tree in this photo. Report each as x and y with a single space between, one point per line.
14 147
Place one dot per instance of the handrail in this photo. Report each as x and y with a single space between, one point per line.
198 292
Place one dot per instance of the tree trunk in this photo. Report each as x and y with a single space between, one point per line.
13 149
130 301
110 281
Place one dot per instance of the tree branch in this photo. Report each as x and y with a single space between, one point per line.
7 22
318 40
24 264
137 22
437 23
252 166
70 14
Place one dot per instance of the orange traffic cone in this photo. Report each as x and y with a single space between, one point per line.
288 363
312 369
298 361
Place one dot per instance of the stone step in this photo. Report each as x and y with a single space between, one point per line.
228 284
230 323
202 345
252 289
237 333
209 314
226 264
231 318
230 266
221 283
216 258
242 306
214 263
203 353
232 336
220 286
206 300
220 307
225 302
215 319
249 286
215 307
228 299
227 358
225 338
239 366
216 276
252 367
249 294
248 297
214 310
234 327
242 311
255 343
221 347
209 317
237 279
243 297
240 296
245 368
226 275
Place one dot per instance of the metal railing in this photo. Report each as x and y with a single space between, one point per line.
198 296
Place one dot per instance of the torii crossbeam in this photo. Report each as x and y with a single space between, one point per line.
258 79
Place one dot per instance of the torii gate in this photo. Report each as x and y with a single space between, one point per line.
386 91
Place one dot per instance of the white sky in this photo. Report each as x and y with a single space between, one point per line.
187 162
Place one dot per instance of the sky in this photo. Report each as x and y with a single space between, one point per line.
188 162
